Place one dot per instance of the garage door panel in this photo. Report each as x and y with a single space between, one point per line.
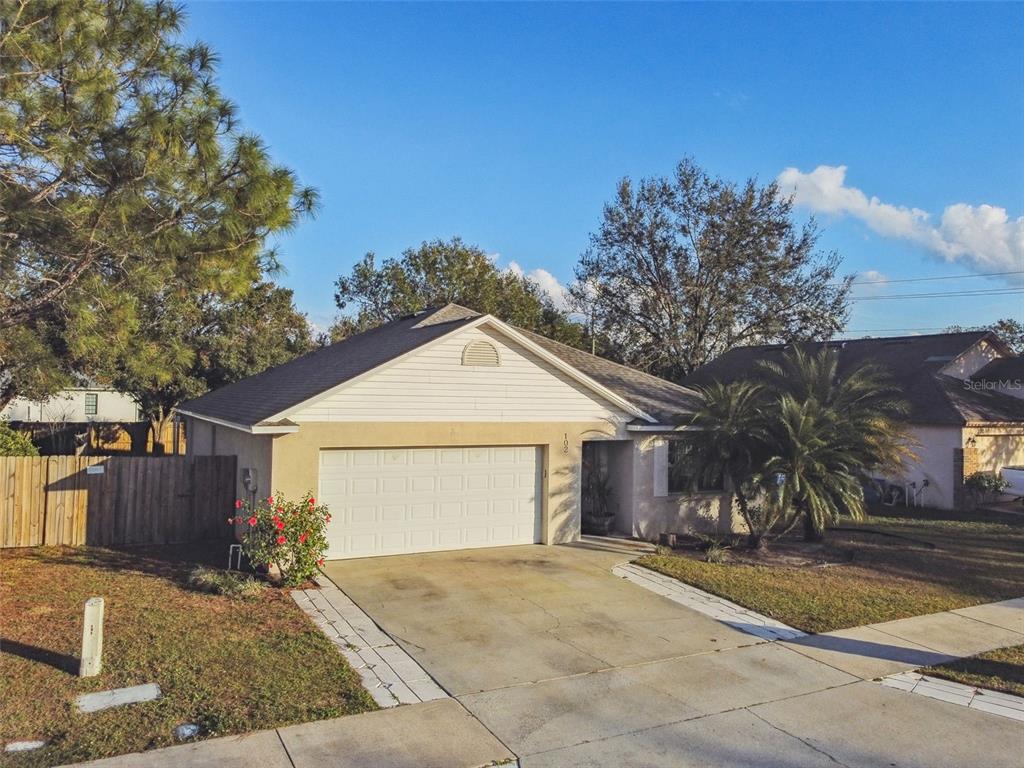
364 458
422 512
392 500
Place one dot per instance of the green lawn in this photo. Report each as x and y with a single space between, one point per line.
999 670
230 665
931 560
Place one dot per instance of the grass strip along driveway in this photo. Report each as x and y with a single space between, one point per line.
229 665
1000 670
908 563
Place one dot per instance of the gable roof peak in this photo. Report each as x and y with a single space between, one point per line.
449 313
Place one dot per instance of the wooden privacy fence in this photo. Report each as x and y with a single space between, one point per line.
97 500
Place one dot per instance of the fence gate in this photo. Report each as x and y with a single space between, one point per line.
101 501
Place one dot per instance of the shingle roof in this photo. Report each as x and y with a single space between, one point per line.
667 402
1003 369
912 362
254 400
257 398
975 403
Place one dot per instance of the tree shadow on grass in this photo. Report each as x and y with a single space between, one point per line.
1012 673
172 562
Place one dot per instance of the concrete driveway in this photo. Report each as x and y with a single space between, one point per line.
570 666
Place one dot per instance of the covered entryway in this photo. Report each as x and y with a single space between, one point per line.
390 501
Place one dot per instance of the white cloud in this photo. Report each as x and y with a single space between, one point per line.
872 276
983 238
547 282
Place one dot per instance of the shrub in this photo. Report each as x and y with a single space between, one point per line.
717 553
289 534
227 583
715 550
14 443
986 482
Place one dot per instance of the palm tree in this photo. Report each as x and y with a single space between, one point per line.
729 442
828 430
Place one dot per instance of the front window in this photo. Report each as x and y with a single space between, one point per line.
682 472
91 403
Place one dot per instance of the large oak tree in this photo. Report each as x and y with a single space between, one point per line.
441 272
684 268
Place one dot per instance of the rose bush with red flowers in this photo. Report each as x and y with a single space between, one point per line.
289 534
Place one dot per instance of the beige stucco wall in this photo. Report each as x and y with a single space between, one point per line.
674 512
296 456
289 464
253 451
997 447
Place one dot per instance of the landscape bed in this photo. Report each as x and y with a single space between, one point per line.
229 665
901 562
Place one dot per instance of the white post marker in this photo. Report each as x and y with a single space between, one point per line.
92 638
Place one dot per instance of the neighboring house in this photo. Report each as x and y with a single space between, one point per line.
966 397
450 429
75 405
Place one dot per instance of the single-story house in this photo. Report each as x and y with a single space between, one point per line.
451 429
87 403
966 398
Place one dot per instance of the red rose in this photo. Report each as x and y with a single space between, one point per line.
312 502
281 539
238 503
252 520
270 500
302 538
279 525
320 561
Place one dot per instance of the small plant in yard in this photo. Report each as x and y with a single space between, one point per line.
289 534
717 553
227 583
715 550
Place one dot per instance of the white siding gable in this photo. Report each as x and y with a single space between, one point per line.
432 384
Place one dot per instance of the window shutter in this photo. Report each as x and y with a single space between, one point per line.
660 467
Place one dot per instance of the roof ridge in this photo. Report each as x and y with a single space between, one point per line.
447 313
913 337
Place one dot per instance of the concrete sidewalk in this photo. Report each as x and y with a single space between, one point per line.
878 650
435 734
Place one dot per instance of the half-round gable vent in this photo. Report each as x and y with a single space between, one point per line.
481 353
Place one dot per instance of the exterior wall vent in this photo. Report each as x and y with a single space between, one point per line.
481 353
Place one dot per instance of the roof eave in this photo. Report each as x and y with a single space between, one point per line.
262 428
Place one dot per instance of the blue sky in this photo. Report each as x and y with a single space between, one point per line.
509 125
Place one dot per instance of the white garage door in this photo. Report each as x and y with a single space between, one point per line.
389 501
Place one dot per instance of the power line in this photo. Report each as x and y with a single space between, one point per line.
894 330
926 279
937 294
